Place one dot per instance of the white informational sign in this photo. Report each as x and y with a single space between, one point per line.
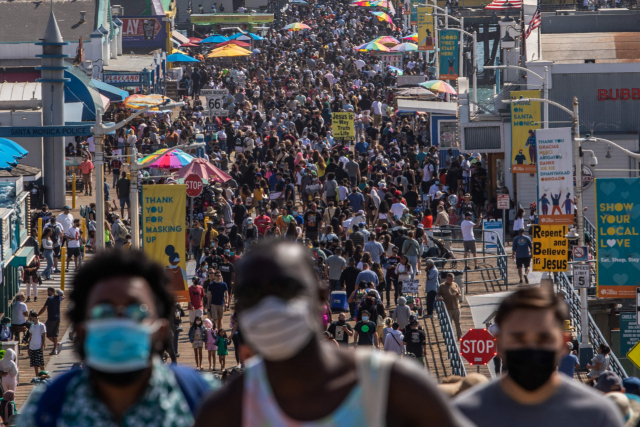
504 201
410 286
581 276
215 101
395 59
492 231
555 175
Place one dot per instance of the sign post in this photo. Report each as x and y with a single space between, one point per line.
638 305
194 189
215 101
478 346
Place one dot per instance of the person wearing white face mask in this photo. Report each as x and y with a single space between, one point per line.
295 380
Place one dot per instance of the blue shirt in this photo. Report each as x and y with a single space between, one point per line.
367 276
432 280
568 365
355 201
522 246
375 249
217 290
273 180
361 147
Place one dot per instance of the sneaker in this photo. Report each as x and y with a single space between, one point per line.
35 299
520 280
59 349
428 316
56 271
28 299
53 353
526 279
66 270
478 268
467 268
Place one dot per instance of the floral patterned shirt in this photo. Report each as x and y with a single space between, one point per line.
162 404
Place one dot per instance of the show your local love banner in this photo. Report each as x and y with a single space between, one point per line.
525 119
449 54
555 176
163 220
618 242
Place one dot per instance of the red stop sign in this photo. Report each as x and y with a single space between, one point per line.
478 346
194 185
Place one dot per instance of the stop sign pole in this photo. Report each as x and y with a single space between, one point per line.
478 347
194 189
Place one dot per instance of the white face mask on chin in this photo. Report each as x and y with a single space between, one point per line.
278 329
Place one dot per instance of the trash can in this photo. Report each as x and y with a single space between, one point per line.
457 278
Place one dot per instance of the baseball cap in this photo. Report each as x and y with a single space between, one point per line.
67 207
632 385
607 381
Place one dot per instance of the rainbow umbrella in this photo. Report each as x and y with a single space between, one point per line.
361 4
439 86
387 40
140 102
297 26
411 38
383 17
372 46
167 159
405 47
203 169
382 3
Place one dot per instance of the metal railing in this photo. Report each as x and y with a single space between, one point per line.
589 228
450 340
595 336
496 100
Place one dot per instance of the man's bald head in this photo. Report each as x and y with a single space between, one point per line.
278 268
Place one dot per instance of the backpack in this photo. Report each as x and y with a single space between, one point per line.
7 410
122 230
193 387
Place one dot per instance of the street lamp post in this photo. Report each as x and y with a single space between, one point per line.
545 86
99 130
586 349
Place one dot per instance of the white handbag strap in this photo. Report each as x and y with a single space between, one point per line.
374 369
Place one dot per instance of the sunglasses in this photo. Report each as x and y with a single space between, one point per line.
137 312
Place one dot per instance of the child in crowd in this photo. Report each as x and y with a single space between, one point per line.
211 342
197 335
222 342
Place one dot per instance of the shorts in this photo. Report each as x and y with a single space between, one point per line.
470 245
53 327
86 178
126 201
36 358
195 313
523 262
217 312
56 252
73 252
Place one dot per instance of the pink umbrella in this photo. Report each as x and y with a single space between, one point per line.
204 170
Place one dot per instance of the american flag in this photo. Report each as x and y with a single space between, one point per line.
504 4
535 23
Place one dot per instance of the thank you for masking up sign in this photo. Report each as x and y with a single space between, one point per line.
343 126
550 248
617 240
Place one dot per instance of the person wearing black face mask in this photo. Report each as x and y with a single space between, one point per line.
531 340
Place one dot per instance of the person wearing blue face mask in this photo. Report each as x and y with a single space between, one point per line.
121 309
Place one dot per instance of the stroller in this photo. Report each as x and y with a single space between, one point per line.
440 252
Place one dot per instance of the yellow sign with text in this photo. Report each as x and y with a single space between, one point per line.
425 28
525 119
343 126
163 221
550 248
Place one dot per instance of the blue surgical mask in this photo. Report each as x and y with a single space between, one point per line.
118 345
365 318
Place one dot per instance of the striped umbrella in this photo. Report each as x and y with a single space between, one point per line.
405 47
439 86
167 158
297 26
411 38
361 4
387 40
372 46
504 4
382 3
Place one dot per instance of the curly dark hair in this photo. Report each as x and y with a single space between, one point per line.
118 263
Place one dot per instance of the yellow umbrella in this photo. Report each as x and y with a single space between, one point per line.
227 51
140 102
232 46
